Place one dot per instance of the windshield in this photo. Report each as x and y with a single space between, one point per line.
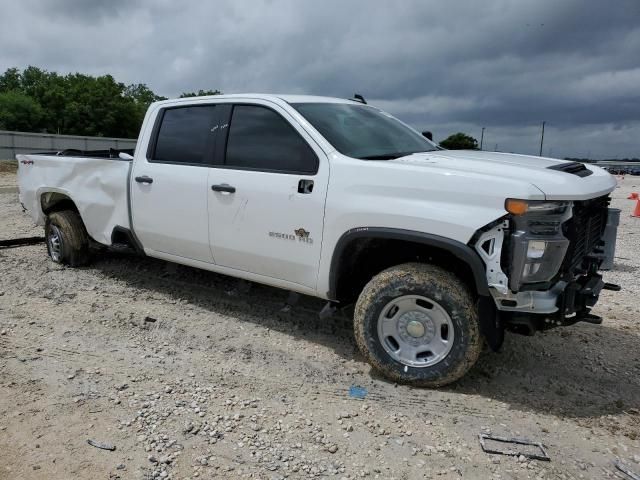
362 131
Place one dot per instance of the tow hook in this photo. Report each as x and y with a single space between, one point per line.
611 286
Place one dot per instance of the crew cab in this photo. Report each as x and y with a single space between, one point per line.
440 251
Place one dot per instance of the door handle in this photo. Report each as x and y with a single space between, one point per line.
144 179
223 187
305 186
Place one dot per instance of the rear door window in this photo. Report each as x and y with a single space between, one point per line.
185 135
261 139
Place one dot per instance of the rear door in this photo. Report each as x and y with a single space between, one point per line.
169 186
266 202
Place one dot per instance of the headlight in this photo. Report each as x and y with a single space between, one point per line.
521 207
538 246
536 249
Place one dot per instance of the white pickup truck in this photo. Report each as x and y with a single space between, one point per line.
439 250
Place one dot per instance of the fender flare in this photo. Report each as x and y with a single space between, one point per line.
460 250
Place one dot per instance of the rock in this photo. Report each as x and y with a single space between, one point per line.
332 448
188 427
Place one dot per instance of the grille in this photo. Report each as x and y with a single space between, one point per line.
585 230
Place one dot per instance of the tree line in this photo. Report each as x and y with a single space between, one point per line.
36 100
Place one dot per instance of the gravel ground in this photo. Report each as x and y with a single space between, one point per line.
191 374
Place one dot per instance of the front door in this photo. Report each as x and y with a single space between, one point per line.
266 202
169 185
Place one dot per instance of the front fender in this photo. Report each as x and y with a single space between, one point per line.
459 250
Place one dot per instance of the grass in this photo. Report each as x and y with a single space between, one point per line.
8 166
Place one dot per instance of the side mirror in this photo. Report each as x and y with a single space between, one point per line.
124 156
428 135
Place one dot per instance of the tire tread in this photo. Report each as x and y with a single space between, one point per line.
441 280
76 239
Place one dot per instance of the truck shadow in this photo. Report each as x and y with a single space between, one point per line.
582 371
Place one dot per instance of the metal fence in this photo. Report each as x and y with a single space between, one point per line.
13 143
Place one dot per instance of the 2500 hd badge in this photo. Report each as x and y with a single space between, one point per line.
301 234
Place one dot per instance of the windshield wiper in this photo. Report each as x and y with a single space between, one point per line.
387 156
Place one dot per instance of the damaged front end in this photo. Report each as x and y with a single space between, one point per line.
542 261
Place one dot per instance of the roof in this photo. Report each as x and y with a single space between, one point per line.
313 99
267 96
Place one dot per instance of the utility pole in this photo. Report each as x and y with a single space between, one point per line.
481 138
542 138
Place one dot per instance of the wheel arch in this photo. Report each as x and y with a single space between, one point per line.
353 243
55 201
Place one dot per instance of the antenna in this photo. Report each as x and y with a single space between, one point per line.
542 138
359 98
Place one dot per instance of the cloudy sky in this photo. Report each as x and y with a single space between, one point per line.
445 66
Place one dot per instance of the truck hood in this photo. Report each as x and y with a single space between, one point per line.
540 172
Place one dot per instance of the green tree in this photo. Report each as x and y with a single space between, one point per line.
459 141
19 112
142 97
10 80
76 104
201 93
142 94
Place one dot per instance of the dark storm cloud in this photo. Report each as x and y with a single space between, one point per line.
92 11
447 66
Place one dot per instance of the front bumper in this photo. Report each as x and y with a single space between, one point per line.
570 283
572 305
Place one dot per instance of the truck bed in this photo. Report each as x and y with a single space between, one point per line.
96 181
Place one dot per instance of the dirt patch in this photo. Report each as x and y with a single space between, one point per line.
8 166
226 383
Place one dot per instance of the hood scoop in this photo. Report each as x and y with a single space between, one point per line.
574 168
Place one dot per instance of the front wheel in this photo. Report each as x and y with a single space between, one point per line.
418 324
67 239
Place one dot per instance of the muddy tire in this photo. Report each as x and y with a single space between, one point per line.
418 324
67 239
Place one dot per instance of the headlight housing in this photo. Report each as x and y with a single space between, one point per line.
521 207
538 245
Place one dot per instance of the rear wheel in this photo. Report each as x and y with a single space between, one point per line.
418 324
67 238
